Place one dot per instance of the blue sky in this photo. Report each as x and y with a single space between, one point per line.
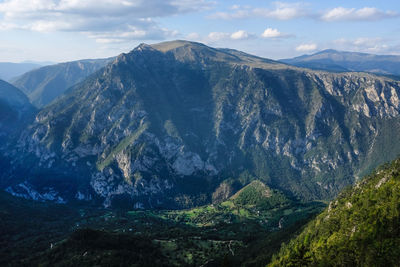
64 30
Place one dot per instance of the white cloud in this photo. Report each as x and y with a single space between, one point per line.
271 33
193 36
373 45
217 36
240 35
364 44
98 8
239 14
280 11
274 33
353 14
236 36
306 47
288 11
105 20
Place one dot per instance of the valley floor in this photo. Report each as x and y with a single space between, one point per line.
230 233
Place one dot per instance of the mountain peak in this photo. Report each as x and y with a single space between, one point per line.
142 46
171 45
328 51
188 51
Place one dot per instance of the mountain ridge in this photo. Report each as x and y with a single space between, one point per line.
342 61
45 84
10 70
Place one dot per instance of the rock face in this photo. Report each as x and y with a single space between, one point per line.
43 85
165 125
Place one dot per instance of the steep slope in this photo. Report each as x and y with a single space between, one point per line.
15 114
12 95
333 60
15 110
166 126
359 228
44 84
10 70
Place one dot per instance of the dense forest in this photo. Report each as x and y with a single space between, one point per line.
360 228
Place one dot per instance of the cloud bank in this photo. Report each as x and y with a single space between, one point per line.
353 14
289 11
306 47
103 20
274 34
279 11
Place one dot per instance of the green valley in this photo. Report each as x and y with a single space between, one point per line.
232 231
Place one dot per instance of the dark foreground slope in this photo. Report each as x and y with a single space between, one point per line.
360 228
29 227
168 125
44 84
16 112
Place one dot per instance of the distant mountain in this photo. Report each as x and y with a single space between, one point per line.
8 70
168 125
41 63
359 228
44 84
332 60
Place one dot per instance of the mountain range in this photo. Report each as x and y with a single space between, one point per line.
178 153
43 85
343 61
181 124
9 70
